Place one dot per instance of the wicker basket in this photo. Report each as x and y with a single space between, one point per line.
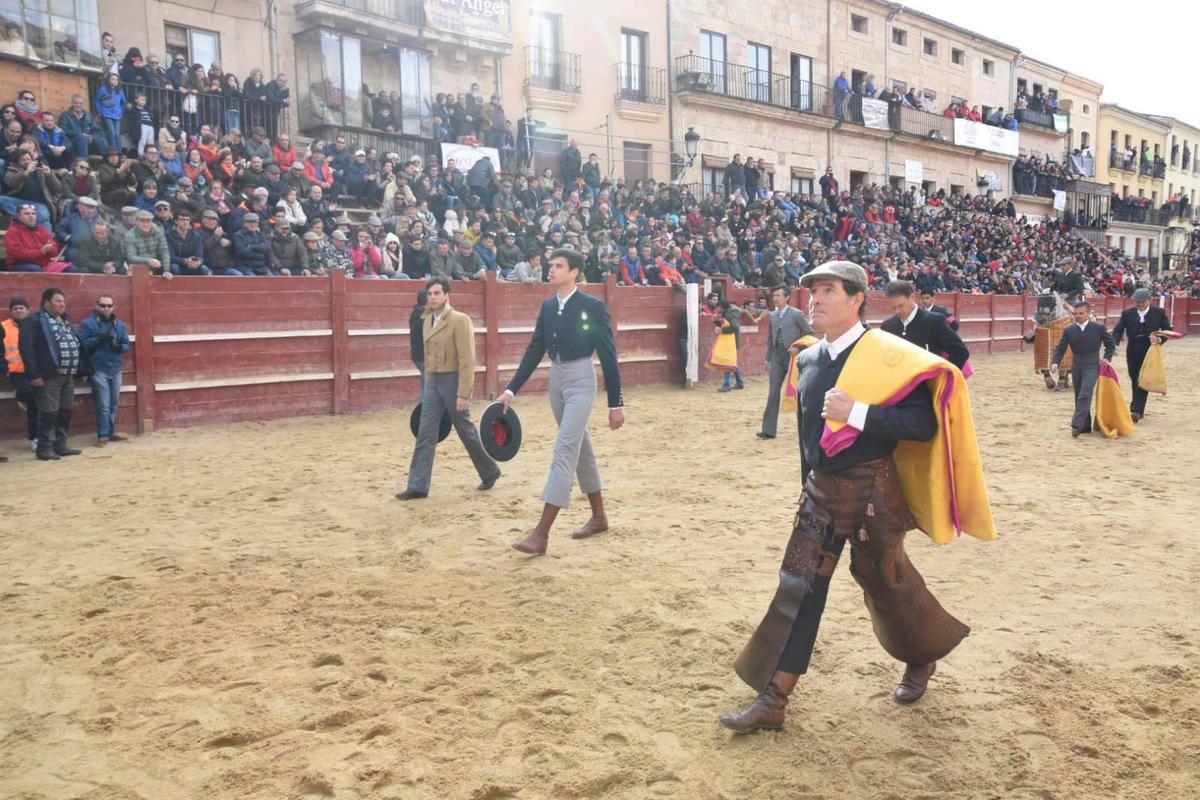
1045 339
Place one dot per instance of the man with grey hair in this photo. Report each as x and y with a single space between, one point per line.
100 253
1141 324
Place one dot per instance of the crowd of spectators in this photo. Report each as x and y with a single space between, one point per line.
1146 162
847 103
193 196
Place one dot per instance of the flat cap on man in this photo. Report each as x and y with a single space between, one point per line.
87 200
845 270
1141 295
210 214
144 214
128 210
251 217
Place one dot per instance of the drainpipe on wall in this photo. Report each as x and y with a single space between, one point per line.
671 110
887 47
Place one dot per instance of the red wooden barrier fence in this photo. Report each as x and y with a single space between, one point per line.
212 350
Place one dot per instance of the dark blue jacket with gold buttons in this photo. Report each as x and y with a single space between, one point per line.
583 327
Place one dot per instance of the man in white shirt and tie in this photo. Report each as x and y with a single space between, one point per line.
788 324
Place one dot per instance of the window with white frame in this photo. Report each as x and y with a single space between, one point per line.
196 45
55 31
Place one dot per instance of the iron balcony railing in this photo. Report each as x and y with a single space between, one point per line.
406 12
1159 170
404 145
641 84
196 108
1042 119
696 74
556 70
928 126
1144 216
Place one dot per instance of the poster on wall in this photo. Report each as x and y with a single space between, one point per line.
985 137
913 173
1061 123
464 156
875 114
1060 200
488 20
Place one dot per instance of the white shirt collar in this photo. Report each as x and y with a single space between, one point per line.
840 344
562 301
1142 314
1082 325
910 317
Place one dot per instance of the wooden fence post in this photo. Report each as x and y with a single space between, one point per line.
143 347
341 341
991 324
491 336
611 299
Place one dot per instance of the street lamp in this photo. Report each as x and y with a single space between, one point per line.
691 145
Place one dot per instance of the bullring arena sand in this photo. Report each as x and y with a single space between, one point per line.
245 612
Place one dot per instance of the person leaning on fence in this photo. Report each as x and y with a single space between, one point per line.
53 357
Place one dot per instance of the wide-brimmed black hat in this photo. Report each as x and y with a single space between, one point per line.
414 422
500 432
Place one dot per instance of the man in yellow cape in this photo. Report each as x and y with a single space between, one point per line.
888 444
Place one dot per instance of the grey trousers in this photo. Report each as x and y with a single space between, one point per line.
1084 379
440 395
779 369
572 396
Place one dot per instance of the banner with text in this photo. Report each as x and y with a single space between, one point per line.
488 20
913 173
464 156
875 114
985 137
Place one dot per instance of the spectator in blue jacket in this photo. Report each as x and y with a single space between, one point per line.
56 149
110 106
186 246
84 133
252 252
149 196
77 224
106 340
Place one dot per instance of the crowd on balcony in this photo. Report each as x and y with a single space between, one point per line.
1039 102
1041 177
1146 163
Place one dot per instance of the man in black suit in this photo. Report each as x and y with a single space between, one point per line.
927 302
1069 282
788 324
1139 324
1084 338
923 328
571 326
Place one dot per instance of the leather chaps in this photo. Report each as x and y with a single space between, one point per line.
865 506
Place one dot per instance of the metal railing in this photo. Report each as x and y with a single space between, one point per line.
195 108
696 74
928 126
405 145
556 70
1159 170
641 84
405 12
1042 119
1143 216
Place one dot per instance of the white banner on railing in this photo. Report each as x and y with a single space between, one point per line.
1060 200
1061 123
465 156
913 172
875 114
985 137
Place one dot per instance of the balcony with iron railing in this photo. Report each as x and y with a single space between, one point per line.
916 122
205 108
403 20
1159 218
388 13
1040 119
638 83
697 75
552 78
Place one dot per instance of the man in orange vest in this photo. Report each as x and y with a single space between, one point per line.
18 309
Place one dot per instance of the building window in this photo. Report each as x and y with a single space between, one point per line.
1086 109
758 83
930 95
899 86
801 82
712 51
545 55
958 56
956 101
858 23
989 67
900 37
956 190
637 162
714 180
930 47
633 65
802 185
1085 140
195 45
56 31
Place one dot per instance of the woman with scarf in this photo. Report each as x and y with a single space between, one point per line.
219 201
196 170
225 170
292 210
27 110
393 257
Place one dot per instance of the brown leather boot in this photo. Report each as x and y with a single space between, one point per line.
599 521
539 538
767 711
913 684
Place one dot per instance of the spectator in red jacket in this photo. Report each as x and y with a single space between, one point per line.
31 247
317 171
285 154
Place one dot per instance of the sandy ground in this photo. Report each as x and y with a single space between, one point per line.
244 612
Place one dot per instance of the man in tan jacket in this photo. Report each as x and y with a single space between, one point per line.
449 379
